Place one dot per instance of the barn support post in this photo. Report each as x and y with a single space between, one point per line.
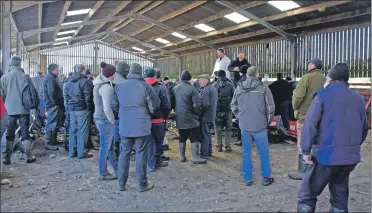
95 65
6 42
293 44
19 44
180 70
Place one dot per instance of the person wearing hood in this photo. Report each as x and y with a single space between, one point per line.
12 84
301 101
236 65
38 82
225 91
157 119
222 63
135 110
334 130
79 98
187 108
122 70
208 98
53 98
103 93
254 106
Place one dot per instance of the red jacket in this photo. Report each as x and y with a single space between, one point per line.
2 107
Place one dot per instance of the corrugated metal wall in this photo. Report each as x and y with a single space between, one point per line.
351 46
68 57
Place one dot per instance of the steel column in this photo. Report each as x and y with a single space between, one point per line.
95 65
293 58
6 40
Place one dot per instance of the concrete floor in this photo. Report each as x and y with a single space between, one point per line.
56 183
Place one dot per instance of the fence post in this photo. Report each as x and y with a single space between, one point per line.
293 58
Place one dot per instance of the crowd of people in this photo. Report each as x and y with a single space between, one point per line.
129 105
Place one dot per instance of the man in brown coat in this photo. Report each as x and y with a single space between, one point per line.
302 98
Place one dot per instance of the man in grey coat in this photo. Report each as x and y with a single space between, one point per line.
12 84
187 107
38 82
208 97
136 101
254 106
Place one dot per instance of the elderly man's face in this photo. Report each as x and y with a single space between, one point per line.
310 66
241 56
203 81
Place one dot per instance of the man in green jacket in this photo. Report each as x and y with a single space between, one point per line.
302 98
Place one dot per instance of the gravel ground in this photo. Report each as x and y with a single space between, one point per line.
56 183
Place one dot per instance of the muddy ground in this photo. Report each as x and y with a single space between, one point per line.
56 183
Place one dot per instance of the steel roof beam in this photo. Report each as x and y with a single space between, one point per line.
62 17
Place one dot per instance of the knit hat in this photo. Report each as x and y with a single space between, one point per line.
135 69
204 76
339 72
150 73
243 69
185 76
79 68
122 68
221 73
252 71
15 61
107 70
51 67
166 78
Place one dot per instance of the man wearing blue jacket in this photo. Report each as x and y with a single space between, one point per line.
135 109
334 130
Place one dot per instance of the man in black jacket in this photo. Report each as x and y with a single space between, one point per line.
225 91
79 94
282 97
157 119
236 65
187 105
208 97
54 106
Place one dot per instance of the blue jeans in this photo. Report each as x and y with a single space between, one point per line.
156 140
42 109
206 142
106 146
141 146
262 144
54 118
79 131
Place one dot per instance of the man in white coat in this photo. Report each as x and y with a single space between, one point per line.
222 63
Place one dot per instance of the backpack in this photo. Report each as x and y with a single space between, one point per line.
30 96
224 99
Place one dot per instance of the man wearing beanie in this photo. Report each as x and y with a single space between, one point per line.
12 86
135 110
225 91
334 130
79 98
103 93
208 99
53 98
122 69
301 100
187 108
254 106
156 138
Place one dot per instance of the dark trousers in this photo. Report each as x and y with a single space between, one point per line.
224 124
24 123
193 134
206 141
141 146
285 113
156 140
316 179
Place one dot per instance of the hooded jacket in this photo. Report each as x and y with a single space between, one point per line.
165 106
187 105
208 99
305 90
225 92
136 100
53 95
79 92
12 84
38 82
103 93
335 126
253 105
